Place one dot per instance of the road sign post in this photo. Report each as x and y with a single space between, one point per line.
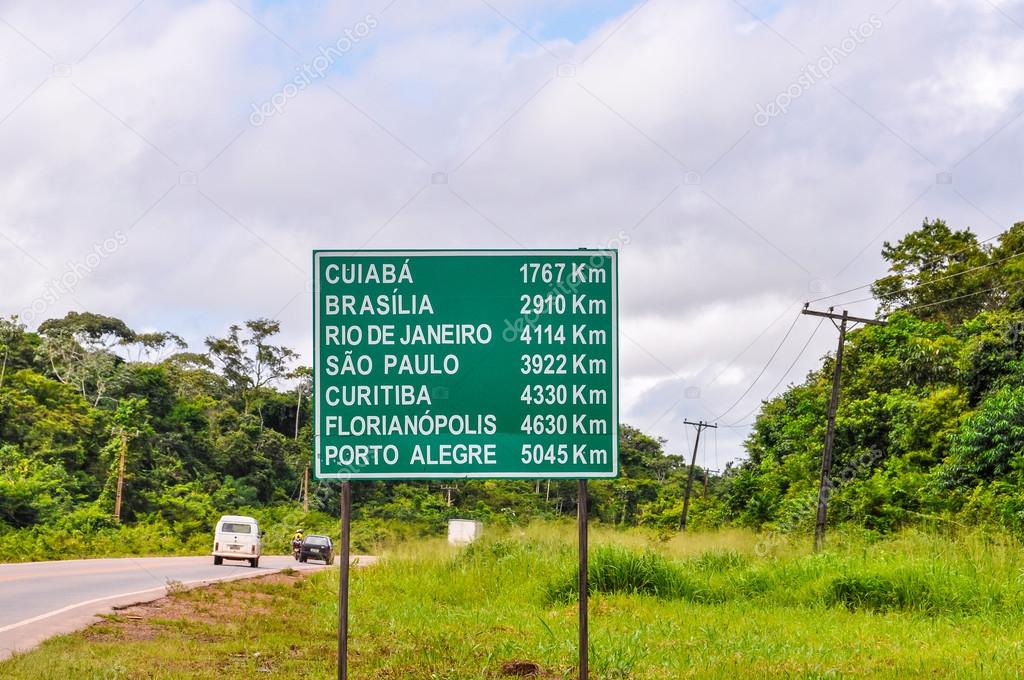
343 567
584 586
497 364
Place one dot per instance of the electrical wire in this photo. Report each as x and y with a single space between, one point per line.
765 368
784 375
832 295
924 265
939 302
910 308
704 456
716 449
686 441
752 342
960 297
941 278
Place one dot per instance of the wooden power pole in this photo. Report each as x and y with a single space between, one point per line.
448 488
305 490
689 478
120 475
825 483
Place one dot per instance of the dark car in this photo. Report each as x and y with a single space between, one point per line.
316 548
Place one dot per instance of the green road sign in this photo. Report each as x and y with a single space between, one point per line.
488 364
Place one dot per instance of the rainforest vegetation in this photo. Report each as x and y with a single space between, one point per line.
930 429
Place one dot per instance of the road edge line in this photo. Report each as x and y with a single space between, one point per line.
195 582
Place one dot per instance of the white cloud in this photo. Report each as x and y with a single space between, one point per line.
723 224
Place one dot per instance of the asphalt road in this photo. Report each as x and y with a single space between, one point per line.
41 599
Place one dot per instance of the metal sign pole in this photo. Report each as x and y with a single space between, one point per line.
346 521
582 519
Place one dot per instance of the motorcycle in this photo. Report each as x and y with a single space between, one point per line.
296 546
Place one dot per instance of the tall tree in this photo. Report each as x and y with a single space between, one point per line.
144 346
11 334
303 376
940 272
79 349
249 361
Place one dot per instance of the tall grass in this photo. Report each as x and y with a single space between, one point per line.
913 572
897 587
717 606
614 569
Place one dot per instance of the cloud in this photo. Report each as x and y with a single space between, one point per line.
465 124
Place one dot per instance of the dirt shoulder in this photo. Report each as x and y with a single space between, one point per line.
258 627
145 620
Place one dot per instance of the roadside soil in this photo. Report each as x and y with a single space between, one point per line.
137 622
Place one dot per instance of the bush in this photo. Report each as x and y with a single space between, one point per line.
724 560
612 569
910 589
491 550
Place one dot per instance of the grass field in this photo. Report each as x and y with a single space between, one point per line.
719 605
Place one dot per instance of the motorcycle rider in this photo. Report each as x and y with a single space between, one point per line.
297 542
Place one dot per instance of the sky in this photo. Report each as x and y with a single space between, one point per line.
174 163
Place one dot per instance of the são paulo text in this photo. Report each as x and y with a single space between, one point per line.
394 364
401 425
413 334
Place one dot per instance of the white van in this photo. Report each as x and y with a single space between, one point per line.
237 538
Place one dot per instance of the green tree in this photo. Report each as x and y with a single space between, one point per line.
249 361
941 271
12 335
990 444
79 349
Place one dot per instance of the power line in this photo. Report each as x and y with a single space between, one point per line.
842 292
752 342
941 278
784 375
807 343
704 461
960 297
686 442
922 266
952 299
716 448
765 368
704 454
737 426
731 361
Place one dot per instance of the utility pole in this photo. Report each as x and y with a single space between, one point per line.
693 462
120 474
448 488
305 490
825 483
